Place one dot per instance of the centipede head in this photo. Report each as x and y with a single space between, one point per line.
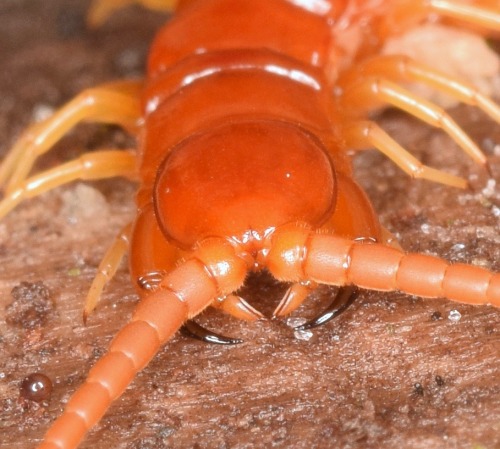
241 180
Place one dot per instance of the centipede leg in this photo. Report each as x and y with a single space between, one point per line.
405 69
101 10
373 92
97 165
115 103
366 134
483 16
486 17
107 269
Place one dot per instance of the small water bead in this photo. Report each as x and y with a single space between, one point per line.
36 387
454 316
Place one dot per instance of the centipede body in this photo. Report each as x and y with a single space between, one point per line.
396 333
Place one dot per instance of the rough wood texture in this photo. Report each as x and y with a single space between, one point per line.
393 371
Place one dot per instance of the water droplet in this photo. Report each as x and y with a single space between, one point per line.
36 387
303 335
454 316
295 321
489 190
299 334
42 112
458 247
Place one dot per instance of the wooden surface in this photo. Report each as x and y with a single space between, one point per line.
392 371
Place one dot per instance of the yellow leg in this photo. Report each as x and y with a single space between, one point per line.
389 239
405 69
372 93
486 15
483 15
97 165
366 134
101 10
116 103
107 269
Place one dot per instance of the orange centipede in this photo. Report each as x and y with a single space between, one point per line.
244 138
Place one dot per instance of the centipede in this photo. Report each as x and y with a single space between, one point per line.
246 125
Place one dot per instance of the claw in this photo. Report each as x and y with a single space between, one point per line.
343 299
236 306
293 298
194 330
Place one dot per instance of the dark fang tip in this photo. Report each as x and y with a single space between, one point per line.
194 330
343 299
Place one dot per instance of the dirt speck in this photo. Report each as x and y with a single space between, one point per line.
31 305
